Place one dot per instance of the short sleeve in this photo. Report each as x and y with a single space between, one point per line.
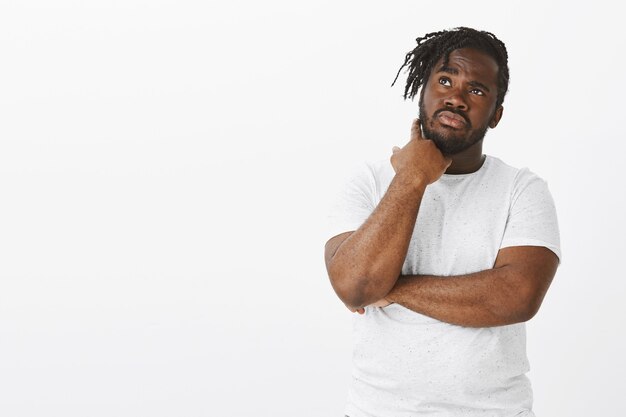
354 203
532 217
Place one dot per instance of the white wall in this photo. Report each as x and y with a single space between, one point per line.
165 168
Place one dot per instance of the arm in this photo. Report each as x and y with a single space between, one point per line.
509 293
365 264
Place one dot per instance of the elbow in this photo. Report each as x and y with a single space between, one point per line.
354 301
529 301
520 315
355 288
349 288
529 308
519 304
525 308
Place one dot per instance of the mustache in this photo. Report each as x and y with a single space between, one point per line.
455 111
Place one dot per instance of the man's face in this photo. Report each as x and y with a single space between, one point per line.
458 102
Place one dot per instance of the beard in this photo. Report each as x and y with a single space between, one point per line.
449 142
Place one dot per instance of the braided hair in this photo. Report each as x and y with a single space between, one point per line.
433 46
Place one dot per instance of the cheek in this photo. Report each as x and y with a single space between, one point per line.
484 116
430 102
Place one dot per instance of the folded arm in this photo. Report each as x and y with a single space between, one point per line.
365 264
510 292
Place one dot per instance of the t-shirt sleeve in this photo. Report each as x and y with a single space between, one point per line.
532 217
354 203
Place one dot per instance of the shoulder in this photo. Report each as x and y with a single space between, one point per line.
501 169
518 179
532 218
380 168
375 175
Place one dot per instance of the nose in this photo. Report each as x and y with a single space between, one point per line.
456 100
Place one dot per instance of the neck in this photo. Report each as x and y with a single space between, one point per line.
468 161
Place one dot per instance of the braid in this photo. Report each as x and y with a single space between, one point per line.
435 45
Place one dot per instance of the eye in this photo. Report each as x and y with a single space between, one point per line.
477 92
445 81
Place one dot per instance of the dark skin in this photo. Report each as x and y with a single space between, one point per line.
364 266
468 84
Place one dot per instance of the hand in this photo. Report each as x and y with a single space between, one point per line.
383 302
420 159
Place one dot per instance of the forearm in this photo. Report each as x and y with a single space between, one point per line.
493 297
367 264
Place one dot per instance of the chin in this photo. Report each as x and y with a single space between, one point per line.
448 147
448 141
452 141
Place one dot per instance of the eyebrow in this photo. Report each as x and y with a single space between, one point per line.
454 71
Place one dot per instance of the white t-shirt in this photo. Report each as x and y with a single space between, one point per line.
406 364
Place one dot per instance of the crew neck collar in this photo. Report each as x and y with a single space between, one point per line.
486 162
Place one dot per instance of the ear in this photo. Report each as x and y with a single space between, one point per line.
497 115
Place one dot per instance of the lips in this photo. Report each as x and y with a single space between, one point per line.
447 118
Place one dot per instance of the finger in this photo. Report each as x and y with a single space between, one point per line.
360 310
416 130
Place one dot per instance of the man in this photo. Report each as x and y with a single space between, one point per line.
444 252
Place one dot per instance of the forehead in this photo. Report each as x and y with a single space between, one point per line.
471 63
